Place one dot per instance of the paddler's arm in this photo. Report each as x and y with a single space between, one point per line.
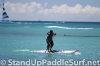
54 33
48 33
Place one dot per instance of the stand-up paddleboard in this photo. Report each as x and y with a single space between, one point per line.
56 51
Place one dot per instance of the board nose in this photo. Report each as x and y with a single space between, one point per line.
76 50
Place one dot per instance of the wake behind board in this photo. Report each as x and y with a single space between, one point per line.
56 51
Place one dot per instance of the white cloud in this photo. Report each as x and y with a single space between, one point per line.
77 9
22 8
35 11
91 10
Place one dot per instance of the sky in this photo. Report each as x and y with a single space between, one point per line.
53 10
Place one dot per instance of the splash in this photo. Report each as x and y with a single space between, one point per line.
77 53
22 50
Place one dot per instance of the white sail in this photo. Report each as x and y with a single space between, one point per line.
4 14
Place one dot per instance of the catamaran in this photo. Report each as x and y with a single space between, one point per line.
4 14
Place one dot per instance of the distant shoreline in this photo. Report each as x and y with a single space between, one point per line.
55 21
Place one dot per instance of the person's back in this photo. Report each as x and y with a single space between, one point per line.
50 35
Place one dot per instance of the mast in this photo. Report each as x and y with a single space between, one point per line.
4 14
2 9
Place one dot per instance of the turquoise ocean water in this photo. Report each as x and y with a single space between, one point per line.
18 39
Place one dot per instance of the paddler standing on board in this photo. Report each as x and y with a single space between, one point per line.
49 40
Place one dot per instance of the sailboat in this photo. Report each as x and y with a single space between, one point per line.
4 14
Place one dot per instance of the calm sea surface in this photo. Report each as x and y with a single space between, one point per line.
18 39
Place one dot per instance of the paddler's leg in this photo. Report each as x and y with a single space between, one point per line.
51 46
48 45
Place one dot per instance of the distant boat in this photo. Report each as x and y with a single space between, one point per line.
4 14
